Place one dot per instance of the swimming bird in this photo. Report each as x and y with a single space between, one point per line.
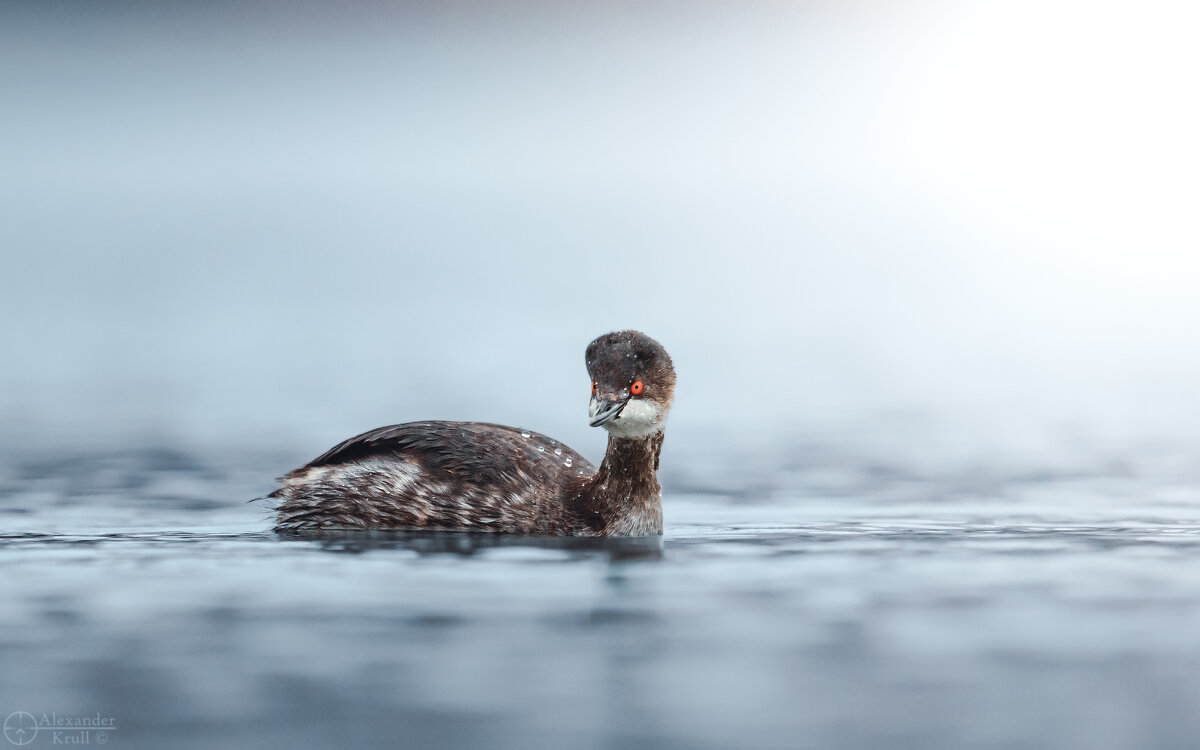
474 476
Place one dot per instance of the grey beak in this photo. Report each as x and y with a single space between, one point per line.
603 410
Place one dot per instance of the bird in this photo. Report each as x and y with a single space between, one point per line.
482 477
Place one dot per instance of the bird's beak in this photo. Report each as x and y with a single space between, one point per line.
603 410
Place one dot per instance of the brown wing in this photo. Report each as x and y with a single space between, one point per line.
448 475
469 452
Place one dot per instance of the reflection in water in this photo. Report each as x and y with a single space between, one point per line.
617 549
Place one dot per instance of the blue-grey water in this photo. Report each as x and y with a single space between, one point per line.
817 598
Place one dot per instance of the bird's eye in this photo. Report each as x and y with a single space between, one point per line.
593 387
637 388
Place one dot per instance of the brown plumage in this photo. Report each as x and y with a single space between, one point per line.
472 476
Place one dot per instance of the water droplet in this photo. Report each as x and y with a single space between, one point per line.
558 451
541 448
568 463
524 434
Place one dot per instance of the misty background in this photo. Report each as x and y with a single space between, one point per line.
280 224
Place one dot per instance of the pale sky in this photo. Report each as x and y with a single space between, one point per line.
254 222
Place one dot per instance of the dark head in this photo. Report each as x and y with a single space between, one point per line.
633 382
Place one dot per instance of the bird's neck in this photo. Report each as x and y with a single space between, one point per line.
624 493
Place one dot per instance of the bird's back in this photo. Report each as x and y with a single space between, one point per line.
468 476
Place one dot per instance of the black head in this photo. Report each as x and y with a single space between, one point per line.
633 382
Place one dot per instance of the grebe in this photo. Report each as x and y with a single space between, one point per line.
471 476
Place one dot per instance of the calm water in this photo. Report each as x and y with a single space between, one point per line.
830 601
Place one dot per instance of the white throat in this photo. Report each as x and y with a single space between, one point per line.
639 418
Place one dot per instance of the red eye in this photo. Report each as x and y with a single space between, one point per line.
593 387
637 388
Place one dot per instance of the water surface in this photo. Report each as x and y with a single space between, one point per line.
831 602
